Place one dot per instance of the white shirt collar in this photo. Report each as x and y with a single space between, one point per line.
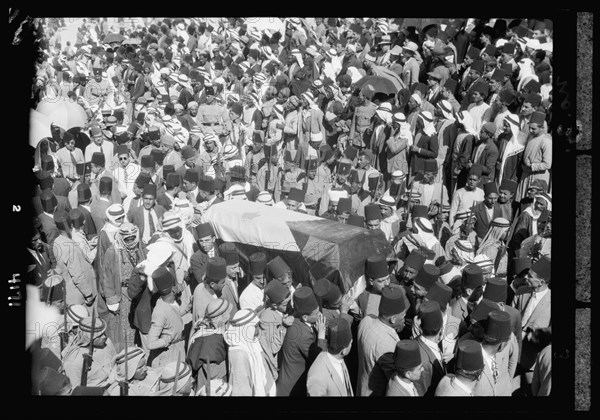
433 346
487 358
335 360
49 215
540 295
462 386
410 387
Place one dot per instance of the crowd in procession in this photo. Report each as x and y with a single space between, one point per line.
437 134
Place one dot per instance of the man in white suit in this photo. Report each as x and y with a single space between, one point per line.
328 375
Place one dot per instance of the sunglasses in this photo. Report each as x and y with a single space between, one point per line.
124 158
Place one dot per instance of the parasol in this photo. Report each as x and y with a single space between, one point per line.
63 113
39 127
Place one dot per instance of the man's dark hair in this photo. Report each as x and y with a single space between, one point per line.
539 55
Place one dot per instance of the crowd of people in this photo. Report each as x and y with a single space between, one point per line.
433 132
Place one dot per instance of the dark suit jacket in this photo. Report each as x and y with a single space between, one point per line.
90 226
433 371
482 224
487 159
540 318
198 263
429 150
142 302
137 217
299 350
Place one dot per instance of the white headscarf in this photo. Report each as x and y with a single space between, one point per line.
526 73
466 120
465 250
241 335
515 145
427 118
298 57
425 232
491 240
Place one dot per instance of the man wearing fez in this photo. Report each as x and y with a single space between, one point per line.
253 295
155 139
471 293
537 157
190 185
328 376
533 301
100 171
84 173
491 327
291 173
465 198
496 290
172 189
269 166
341 178
255 157
434 194
343 210
102 202
294 200
478 106
423 281
230 292
133 203
104 354
84 199
191 162
408 370
468 369
506 192
304 339
485 212
99 145
126 173
207 196
147 217
373 217
378 335
361 197
314 187
212 117
281 272
485 152
205 237
214 280
431 327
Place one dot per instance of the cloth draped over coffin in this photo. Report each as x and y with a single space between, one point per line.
313 247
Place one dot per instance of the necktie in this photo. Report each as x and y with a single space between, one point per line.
151 223
347 380
529 309
495 369
73 161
